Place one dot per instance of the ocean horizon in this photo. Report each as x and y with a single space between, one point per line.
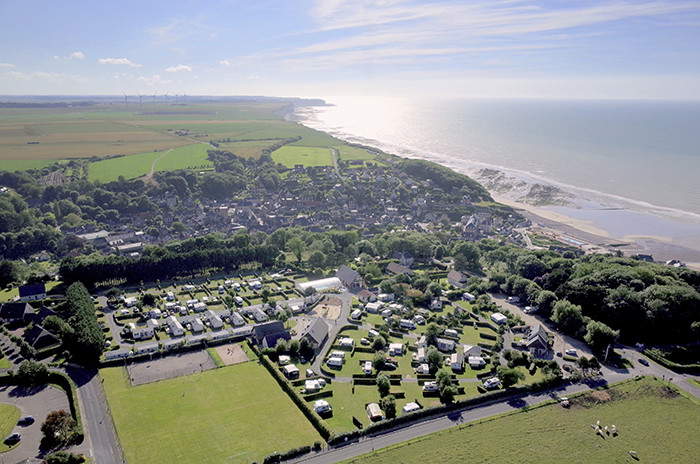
629 167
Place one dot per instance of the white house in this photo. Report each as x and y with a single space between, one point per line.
117 354
131 301
407 324
346 342
148 347
199 307
420 355
236 319
423 368
142 333
373 308
395 349
476 362
457 362
259 315
174 326
499 318
445 345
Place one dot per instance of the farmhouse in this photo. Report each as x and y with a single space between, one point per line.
40 339
349 277
32 292
366 296
538 341
457 279
267 334
317 333
404 257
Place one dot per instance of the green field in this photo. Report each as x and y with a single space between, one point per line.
13 165
189 156
130 167
655 421
308 156
9 415
233 414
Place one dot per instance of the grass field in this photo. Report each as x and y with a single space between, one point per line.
290 155
9 415
656 422
130 167
232 414
13 165
189 156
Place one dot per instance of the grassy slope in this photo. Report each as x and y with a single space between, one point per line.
9 415
232 414
661 427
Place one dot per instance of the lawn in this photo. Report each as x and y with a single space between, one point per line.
9 415
656 422
231 414
308 156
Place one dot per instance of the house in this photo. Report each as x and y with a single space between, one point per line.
32 292
374 412
423 368
174 326
13 312
366 296
236 319
436 304
457 279
403 257
193 323
259 315
499 318
457 362
291 371
472 350
317 333
155 313
445 345
419 356
349 277
142 333
476 362
41 339
220 335
214 320
267 334
148 347
196 339
538 340
398 269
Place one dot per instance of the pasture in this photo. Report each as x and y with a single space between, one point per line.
290 155
231 414
652 419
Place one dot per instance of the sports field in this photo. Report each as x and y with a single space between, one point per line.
232 414
308 156
657 422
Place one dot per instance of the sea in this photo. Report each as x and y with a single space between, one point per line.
630 168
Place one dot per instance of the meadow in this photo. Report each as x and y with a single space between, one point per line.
656 421
290 155
232 414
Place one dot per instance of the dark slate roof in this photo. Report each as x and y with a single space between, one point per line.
16 311
347 275
317 332
40 338
538 336
396 268
267 333
30 290
42 314
457 279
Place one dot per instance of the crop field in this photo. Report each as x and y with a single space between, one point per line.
655 421
308 156
232 414
9 415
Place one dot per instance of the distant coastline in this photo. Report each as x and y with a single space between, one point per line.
639 227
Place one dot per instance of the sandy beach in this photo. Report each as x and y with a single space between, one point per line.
595 239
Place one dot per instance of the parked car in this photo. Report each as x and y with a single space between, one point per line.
13 438
571 352
26 420
364 341
390 366
643 362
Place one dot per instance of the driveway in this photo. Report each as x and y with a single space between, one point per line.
37 402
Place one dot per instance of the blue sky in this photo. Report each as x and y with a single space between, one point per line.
483 48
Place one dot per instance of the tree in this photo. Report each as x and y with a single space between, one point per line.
32 373
316 260
545 302
388 405
509 377
64 457
432 331
567 316
434 358
379 360
58 428
599 336
296 246
378 343
466 256
383 385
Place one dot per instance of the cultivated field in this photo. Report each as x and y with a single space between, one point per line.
232 414
308 156
657 422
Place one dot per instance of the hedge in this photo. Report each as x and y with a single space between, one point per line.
658 356
318 395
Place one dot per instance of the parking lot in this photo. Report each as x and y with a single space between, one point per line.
37 402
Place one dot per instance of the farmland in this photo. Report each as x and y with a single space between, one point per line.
654 420
221 415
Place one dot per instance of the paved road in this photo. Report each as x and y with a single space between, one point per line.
334 327
100 433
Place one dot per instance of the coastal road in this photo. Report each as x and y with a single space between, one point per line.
97 419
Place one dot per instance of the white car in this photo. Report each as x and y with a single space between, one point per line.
493 382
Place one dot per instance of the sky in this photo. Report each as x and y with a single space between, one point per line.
638 49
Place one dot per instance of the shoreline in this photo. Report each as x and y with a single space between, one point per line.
595 235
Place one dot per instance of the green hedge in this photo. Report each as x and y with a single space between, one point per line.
658 356
318 395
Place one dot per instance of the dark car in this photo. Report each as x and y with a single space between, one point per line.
13 438
643 362
26 420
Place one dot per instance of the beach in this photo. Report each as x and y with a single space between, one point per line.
605 192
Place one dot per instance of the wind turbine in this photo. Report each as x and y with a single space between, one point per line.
176 95
184 96
126 101
154 99
166 97
140 98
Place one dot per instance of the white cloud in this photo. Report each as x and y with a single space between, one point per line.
225 63
119 61
6 65
49 77
179 68
153 80
77 55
